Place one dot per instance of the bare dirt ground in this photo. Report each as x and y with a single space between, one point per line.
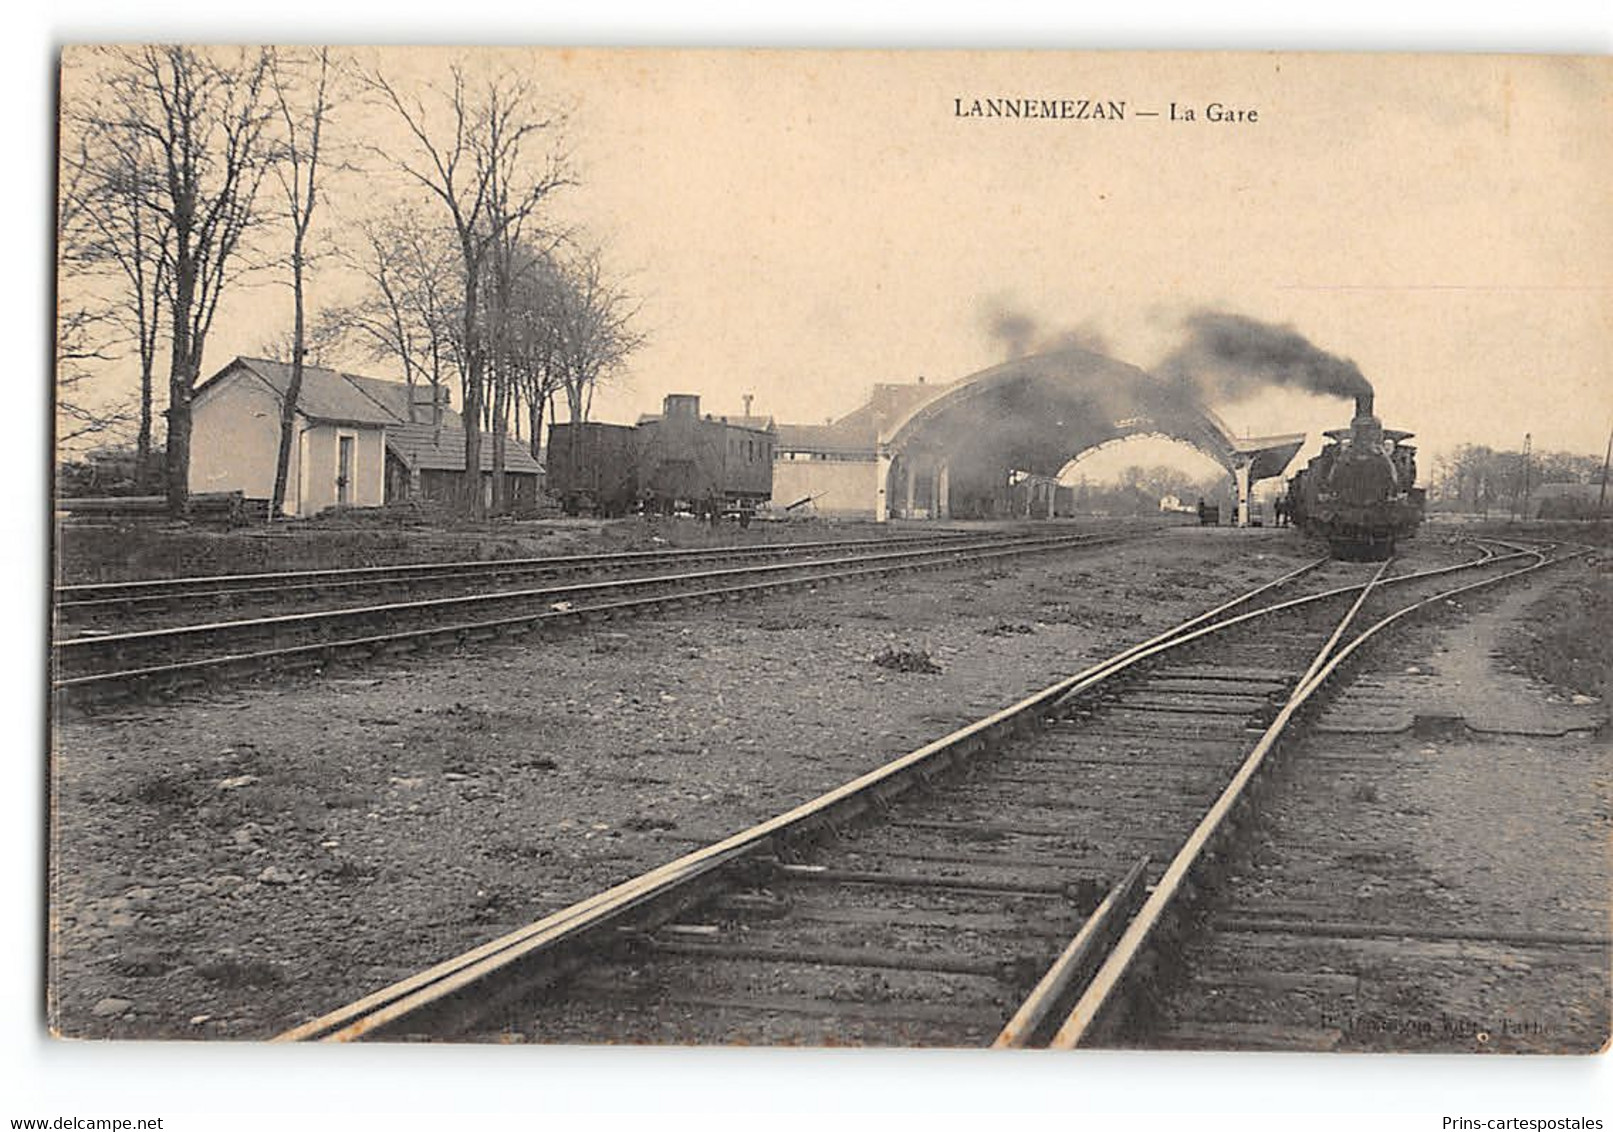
229 866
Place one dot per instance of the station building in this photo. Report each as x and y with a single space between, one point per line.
993 444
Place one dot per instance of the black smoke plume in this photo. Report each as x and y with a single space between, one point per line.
1016 331
1019 334
1084 337
1232 356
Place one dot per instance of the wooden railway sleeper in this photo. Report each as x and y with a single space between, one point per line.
762 903
510 996
824 874
798 873
1011 970
758 870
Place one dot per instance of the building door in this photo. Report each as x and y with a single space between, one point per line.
301 507
344 470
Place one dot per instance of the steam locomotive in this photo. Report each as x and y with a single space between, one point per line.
1358 492
664 464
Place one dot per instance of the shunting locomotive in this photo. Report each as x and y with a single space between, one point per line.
676 461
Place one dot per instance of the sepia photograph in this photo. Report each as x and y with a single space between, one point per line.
945 549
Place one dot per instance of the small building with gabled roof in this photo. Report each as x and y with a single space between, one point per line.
360 441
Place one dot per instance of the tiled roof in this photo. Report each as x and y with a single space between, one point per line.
326 395
822 438
350 398
393 396
443 450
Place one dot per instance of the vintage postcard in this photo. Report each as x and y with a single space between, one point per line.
832 548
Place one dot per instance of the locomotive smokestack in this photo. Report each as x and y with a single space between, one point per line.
1363 403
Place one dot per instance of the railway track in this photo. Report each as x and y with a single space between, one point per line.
1012 883
93 664
121 603
1362 912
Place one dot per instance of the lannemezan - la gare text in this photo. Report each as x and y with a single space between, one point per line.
1071 109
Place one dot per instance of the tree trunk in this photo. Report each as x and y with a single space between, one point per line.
177 457
288 404
182 368
142 444
500 427
535 420
473 445
475 368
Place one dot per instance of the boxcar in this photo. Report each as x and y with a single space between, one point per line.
593 467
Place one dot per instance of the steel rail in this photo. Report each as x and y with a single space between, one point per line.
1076 960
1080 958
1152 648
1106 984
936 559
389 1005
109 594
101 642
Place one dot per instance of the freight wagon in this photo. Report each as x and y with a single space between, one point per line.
593 467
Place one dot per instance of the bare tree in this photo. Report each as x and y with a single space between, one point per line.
471 150
79 330
1476 477
322 341
85 328
521 316
202 114
302 93
535 341
596 333
111 229
412 302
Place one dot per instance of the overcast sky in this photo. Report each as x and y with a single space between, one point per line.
801 225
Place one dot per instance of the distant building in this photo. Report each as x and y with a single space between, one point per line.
360 441
1567 501
834 468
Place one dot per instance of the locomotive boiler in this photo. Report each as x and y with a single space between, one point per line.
1359 492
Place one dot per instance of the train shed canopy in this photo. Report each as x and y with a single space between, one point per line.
957 449
1035 414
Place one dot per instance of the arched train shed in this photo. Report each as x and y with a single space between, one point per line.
939 451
